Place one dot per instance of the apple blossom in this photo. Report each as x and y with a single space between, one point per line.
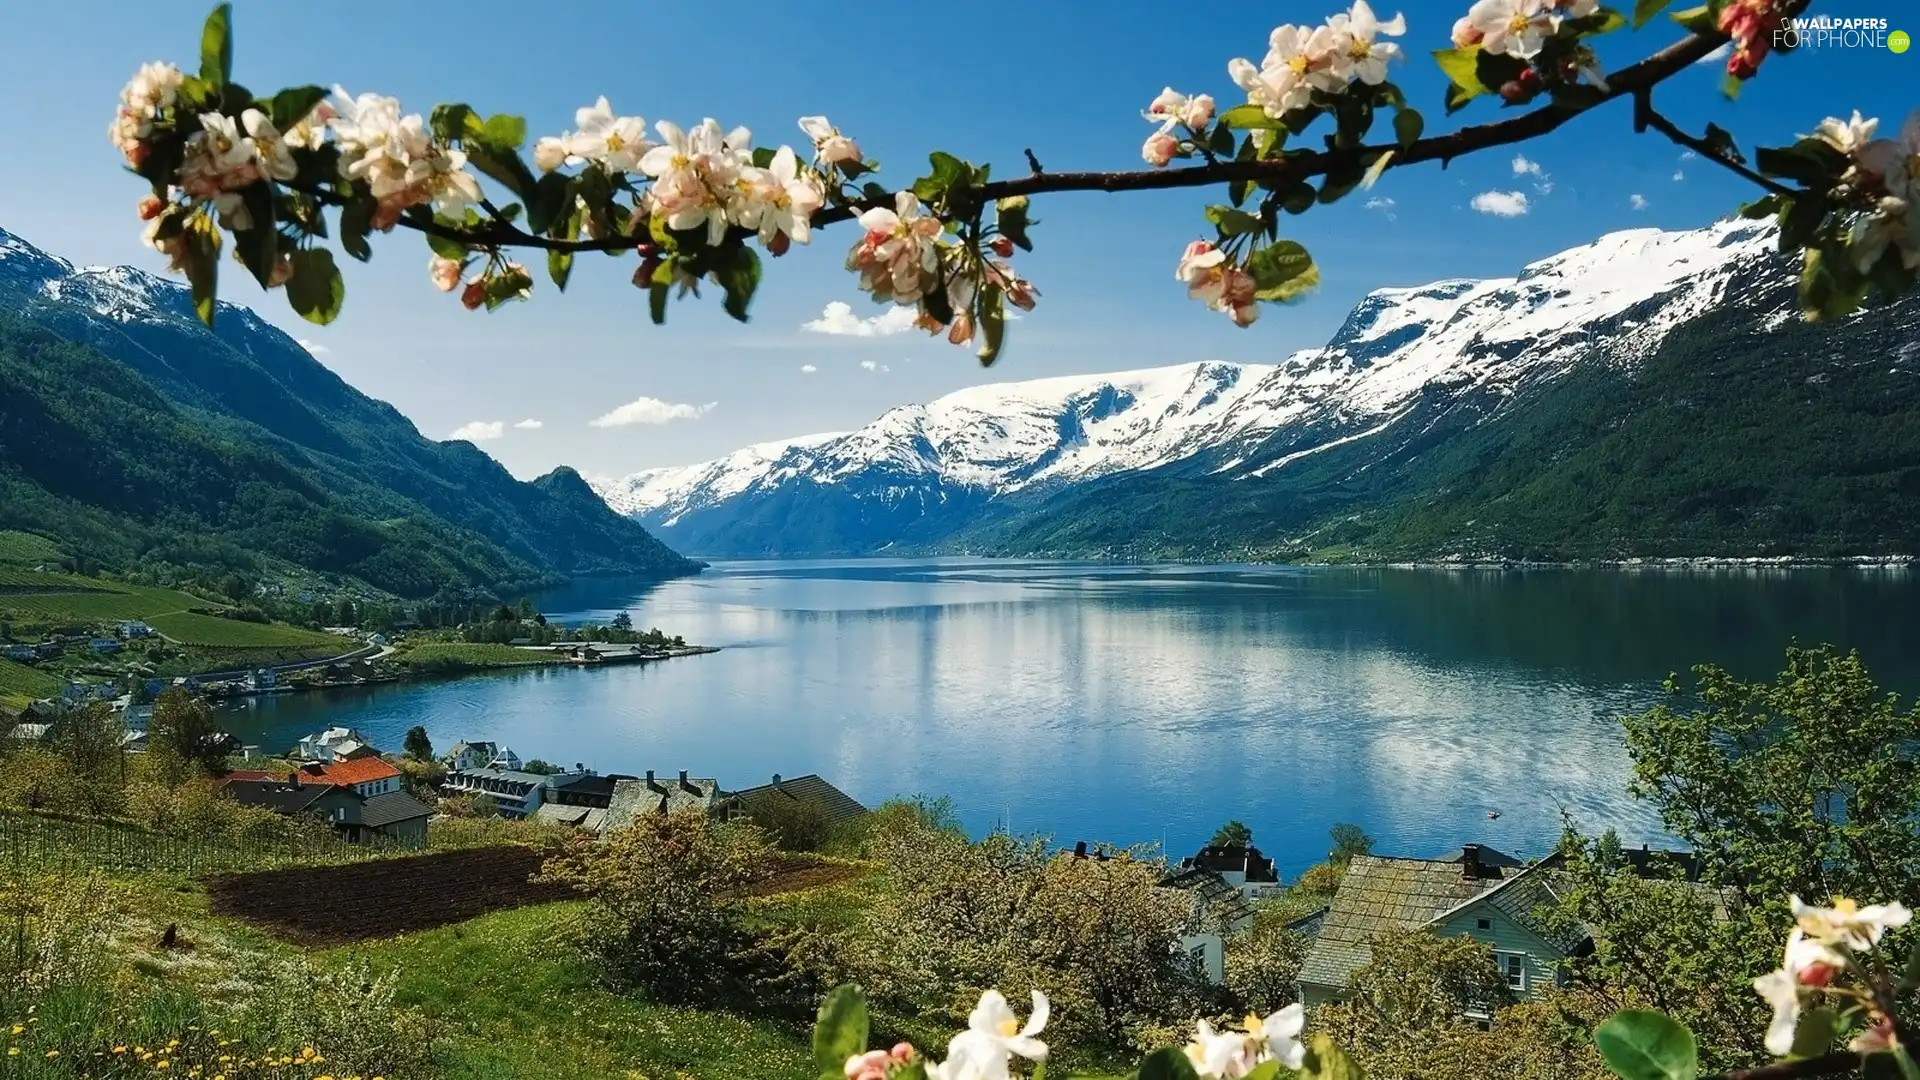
1159 149
549 153
1516 28
1896 161
270 147
993 1035
899 252
474 295
1200 269
1847 924
1892 224
1229 1055
1357 53
152 90
1781 992
1199 112
218 159
310 131
829 146
445 273
618 142
1466 34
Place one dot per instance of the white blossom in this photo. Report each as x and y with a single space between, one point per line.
994 1034
1896 161
444 273
898 252
219 161
1847 924
1357 52
152 90
1892 224
398 159
1782 993
618 142
1847 136
779 199
693 175
1516 28
830 147
1229 1055
270 147
1159 149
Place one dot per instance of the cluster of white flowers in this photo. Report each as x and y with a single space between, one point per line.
1821 947
152 90
1229 1055
830 147
984 1051
1170 110
616 142
1216 282
898 253
706 178
1517 28
1328 58
1888 170
401 162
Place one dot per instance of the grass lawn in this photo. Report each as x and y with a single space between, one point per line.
85 599
21 685
452 655
211 630
523 1009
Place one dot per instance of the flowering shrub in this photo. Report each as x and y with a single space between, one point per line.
700 203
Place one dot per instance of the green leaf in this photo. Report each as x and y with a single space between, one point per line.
1730 88
1220 140
841 1030
763 156
992 307
1765 207
316 289
947 172
1238 191
503 132
1010 216
1700 20
1813 1036
1462 68
203 264
1720 143
1326 1061
1801 221
356 220
738 272
1810 162
1407 126
1232 222
548 202
1647 1046
449 122
260 245
1299 198
1645 10
444 247
216 47
1269 1070
657 309
1340 180
1168 1064
560 263
1249 118
1282 271
290 106
1604 21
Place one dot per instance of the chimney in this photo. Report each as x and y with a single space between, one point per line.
651 786
776 780
687 784
1471 867
1080 850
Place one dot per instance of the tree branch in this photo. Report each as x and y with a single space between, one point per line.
1838 1063
1645 117
1635 80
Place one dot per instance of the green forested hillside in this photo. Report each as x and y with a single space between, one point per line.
1731 440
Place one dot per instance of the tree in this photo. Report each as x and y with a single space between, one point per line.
1841 196
89 738
664 896
1263 965
1348 840
417 745
526 609
793 824
544 768
1232 834
623 622
185 734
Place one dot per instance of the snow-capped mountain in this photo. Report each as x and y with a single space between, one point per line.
1407 359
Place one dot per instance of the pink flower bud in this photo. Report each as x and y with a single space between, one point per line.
1466 34
1159 149
902 1051
1198 113
1002 247
152 207
474 294
1022 295
779 244
962 329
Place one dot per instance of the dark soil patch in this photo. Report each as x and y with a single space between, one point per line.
333 905
795 873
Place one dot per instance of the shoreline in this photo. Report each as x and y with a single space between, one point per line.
455 666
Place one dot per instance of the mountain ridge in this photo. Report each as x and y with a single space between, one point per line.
339 456
1412 398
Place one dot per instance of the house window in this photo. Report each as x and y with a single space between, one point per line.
1484 924
1514 967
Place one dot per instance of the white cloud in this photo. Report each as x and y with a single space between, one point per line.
1637 201
1717 55
808 369
1380 202
838 318
529 425
1679 174
1522 166
651 410
1501 203
314 347
1687 155
479 431
875 367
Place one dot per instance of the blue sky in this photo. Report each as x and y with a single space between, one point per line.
1067 79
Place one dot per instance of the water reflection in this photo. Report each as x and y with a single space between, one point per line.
1118 703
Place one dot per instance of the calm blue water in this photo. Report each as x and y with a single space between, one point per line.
1125 704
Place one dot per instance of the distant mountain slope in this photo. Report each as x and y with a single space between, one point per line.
1650 393
150 428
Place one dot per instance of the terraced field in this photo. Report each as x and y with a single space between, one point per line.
26 593
20 685
19 547
188 628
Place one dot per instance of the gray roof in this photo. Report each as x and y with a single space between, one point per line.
1379 896
1217 905
837 805
631 798
379 811
511 776
590 818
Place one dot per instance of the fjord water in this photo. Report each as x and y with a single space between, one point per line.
1129 703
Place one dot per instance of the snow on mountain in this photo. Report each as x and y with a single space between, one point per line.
1611 301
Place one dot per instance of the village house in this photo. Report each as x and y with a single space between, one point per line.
1219 909
390 815
134 629
327 745
262 679
104 645
631 798
465 756
364 776
835 806
25 654
514 793
1239 865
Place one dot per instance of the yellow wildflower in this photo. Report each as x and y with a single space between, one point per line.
53 1053
119 1049
13 1051
19 1029
163 1064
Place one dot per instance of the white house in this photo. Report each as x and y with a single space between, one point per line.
135 629
326 745
513 793
465 756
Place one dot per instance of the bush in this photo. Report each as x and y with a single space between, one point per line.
664 903
792 824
